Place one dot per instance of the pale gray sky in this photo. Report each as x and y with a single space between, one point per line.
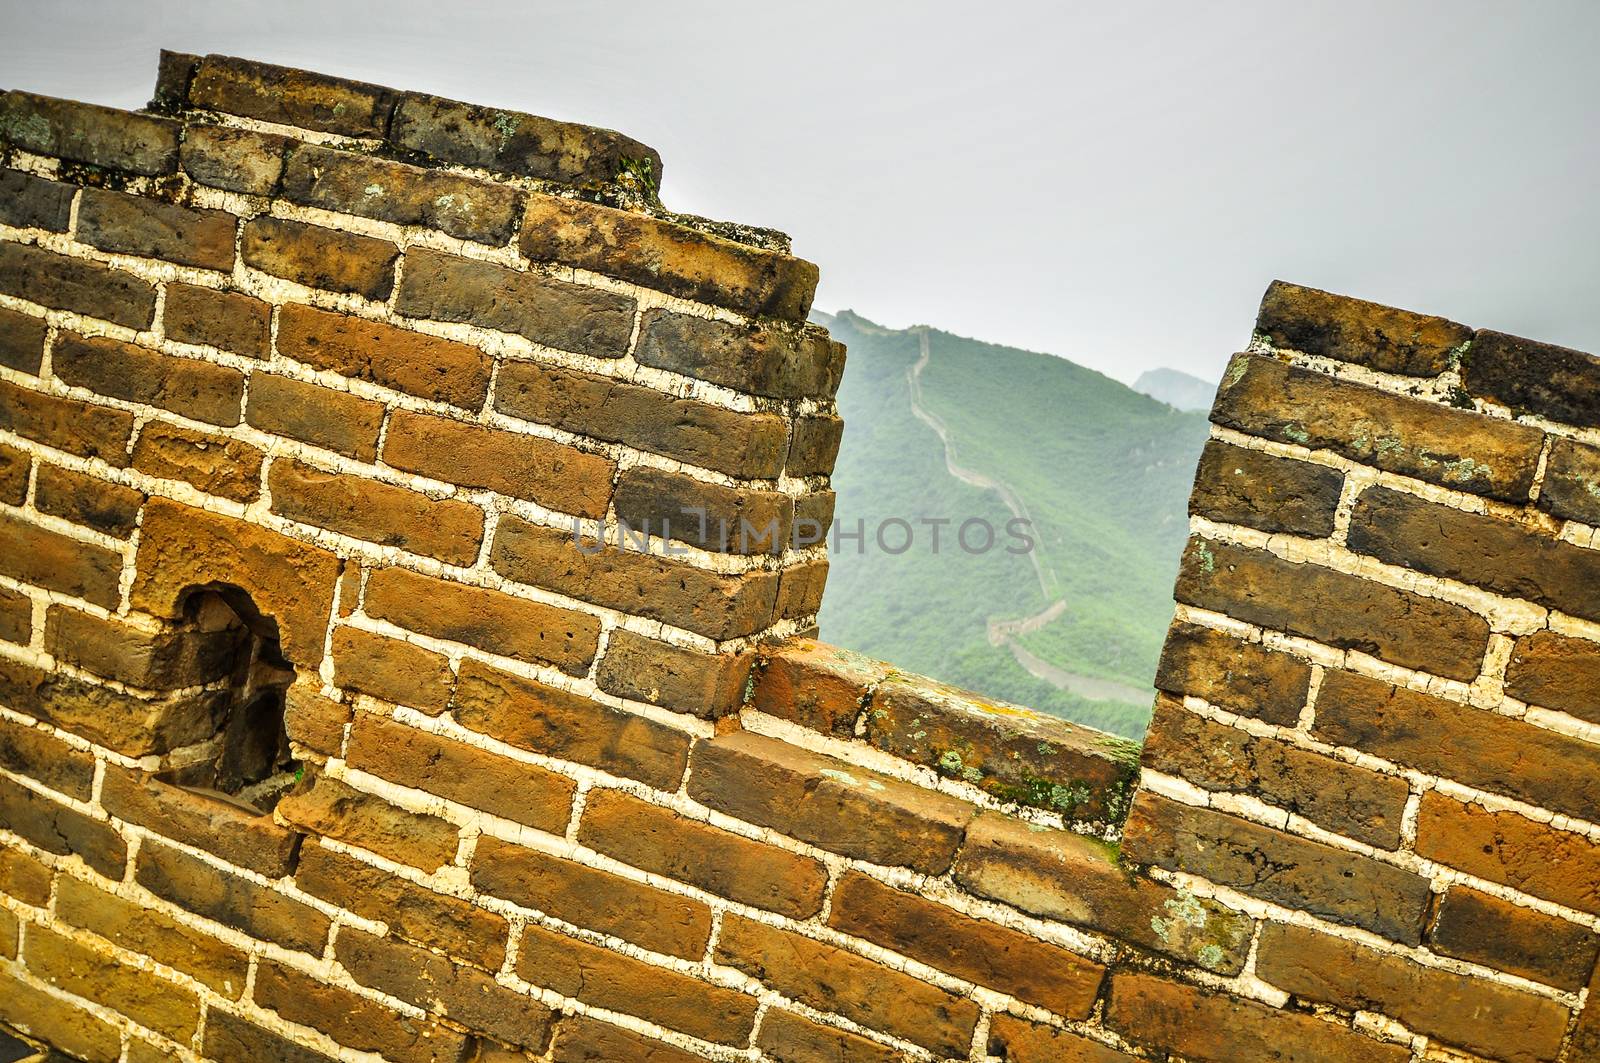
1115 183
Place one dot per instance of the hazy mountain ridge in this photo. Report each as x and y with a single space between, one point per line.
1180 390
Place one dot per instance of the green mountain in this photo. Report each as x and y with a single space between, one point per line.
939 427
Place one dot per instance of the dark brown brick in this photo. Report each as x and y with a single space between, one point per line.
1242 677
1354 330
135 225
21 341
9 935
674 505
319 257
30 202
800 590
447 529
229 321
156 659
57 829
773 360
1017 1041
391 670
515 143
1571 487
467 996
68 1027
234 831
24 877
1476 1014
707 685
146 998
819 686
426 366
788 1038
335 420
500 623
530 715
230 1039
581 1039
16 617
512 789
827 802
1474 746
230 899
217 465
138 928
314 722
354 1020
1239 486
661 841
1413 437
1532 377
197 389
129 723
88 288
1557 672
815 445
828 978
86 500
54 561
334 809
15 468
551 312
1352 801
606 979
36 753
1345 611
84 132
1504 847
510 463
1210 1028
292 97
1476 926
1274 866
406 195
673 258
603 407
650 918
238 160
77 427
174 72
716 605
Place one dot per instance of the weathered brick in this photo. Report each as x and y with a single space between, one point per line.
234 831
391 669
24 877
674 505
183 547
1070 878
354 1020
406 195
194 388
467 996
54 561
1342 610
9 935
815 446
747 445
716 605
1210 1028
1557 672
1011 752
66 1026
1472 925
229 899
238 160
773 360
607 979
788 1038
673 258
661 841
1239 486
16 617
319 257
36 753
447 529
500 623
551 312
314 722
540 470
72 425
334 809
230 321
174 73
149 228
977 950
827 802
88 288
292 97
217 465
1018 1041
1274 866
1473 1013
820 686
707 685
139 928
144 997
21 341
1571 486
828 978
580 1039
530 715
426 366
335 420
651 918
512 789
1504 847
230 1039
1352 801
86 500
85 132
158 659
1413 437
129 723
1242 677
30 202
15 467
515 143
800 590
1354 330
1532 377
1473 746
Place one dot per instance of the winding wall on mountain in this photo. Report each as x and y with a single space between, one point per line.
323 735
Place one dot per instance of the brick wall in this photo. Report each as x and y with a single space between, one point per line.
321 737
